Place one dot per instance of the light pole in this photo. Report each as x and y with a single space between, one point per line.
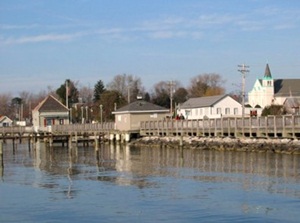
67 94
101 110
171 85
81 114
86 114
91 115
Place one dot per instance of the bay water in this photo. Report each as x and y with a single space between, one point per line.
120 183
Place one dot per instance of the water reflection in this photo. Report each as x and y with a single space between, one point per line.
127 166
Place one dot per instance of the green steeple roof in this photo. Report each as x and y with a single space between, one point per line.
268 74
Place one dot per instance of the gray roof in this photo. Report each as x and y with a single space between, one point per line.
51 104
202 101
141 106
287 87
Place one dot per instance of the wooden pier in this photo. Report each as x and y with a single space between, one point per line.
260 127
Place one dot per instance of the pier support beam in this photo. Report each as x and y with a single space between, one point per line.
70 142
118 137
127 137
111 137
96 141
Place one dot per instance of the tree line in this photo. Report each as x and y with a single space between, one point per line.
101 100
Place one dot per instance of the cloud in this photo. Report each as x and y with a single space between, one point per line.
164 27
12 27
40 38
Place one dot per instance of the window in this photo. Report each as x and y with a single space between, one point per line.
227 111
235 111
206 111
48 122
218 111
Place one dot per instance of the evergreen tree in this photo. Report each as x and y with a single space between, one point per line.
98 90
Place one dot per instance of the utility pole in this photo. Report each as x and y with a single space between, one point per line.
67 94
172 88
243 69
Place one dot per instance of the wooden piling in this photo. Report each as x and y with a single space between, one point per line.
70 142
96 142
181 141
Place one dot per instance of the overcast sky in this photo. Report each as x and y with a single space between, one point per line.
42 43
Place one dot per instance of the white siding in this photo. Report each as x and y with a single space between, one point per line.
219 109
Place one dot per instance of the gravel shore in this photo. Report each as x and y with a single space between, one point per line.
286 146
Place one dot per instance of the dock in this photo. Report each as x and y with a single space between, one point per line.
287 126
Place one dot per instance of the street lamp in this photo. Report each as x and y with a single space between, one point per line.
101 110
86 113
81 114
172 88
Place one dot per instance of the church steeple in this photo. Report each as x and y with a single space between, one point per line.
268 74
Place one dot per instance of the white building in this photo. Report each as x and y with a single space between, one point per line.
268 91
5 121
210 107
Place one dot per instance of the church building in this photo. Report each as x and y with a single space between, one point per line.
268 91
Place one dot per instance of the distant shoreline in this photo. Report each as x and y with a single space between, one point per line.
284 146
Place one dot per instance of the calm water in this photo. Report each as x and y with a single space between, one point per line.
123 184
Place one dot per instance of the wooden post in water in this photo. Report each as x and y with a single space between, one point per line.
76 139
181 141
29 143
96 141
13 141
70 142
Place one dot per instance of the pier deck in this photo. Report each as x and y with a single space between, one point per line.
261 127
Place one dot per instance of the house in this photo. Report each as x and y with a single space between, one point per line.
5 121
292 105
50 112
128 118
268 91
210 107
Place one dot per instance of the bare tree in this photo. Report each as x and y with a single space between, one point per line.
128 86
5 101
164 92
206 85
180 95
86 94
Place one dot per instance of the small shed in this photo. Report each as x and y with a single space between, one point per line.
210 107
129 117
50 112
5 121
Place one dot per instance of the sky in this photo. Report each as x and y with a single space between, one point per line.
43 43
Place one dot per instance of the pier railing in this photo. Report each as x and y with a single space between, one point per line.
268 126
87 127
287 126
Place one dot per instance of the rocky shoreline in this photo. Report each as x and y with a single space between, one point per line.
286 146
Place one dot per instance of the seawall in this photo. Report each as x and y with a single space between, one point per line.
286 146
